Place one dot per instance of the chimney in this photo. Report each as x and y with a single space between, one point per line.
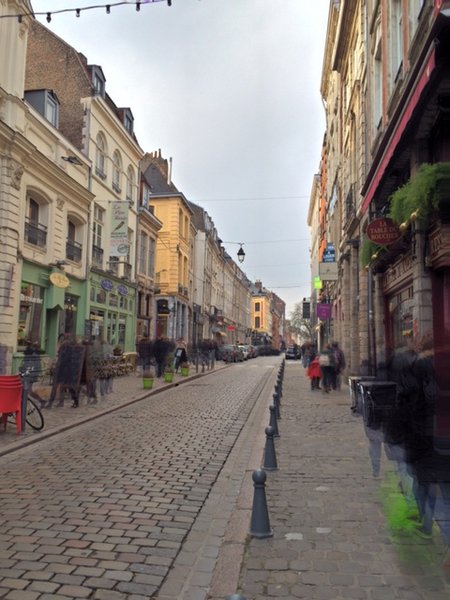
258 285
169 172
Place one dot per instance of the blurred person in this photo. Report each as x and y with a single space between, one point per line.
314 373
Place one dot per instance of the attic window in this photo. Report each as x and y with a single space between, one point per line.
128 121
98 81
46 103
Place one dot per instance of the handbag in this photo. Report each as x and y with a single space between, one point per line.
324 360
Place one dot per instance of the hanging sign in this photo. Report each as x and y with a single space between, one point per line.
119 229
59 280
317 283
383 232
324 310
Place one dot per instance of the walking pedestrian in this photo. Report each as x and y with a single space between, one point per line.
339 365
145 352
160 350
314 373
326 362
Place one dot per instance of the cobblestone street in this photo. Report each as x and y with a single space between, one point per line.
154 500
101 511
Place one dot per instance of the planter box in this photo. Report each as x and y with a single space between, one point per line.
147 382
168 377
185 371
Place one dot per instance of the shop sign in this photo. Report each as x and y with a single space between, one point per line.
119 229
383 232
107 285
231 327
324 310
328 271
317 283
122 290
59 280
329 254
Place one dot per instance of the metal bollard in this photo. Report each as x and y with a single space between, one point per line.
235 597
279 391
273 420
270 459
276 403
260 525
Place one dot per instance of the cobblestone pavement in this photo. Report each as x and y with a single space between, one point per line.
330 539
102 510
126 389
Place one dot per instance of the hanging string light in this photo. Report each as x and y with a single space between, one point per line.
78 11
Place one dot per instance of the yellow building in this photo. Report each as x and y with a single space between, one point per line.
173 249
261 315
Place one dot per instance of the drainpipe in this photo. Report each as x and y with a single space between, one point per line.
371 323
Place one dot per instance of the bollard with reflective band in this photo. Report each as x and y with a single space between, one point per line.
273 420
260 525
270 459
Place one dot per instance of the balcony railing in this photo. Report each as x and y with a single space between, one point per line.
113 264
97 256
36 234
73 250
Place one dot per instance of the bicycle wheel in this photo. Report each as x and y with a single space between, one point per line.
34 416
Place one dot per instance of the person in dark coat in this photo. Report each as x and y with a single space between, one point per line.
160 351
145 352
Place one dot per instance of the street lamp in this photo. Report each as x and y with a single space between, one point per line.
241 254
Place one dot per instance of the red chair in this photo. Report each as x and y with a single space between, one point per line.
11 399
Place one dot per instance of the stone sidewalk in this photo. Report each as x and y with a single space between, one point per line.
127 389
330 538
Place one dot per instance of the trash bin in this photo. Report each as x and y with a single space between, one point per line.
353 381
378 401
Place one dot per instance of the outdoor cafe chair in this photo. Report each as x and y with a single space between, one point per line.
11 399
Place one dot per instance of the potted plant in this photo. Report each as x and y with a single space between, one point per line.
168 370
184 369
148 376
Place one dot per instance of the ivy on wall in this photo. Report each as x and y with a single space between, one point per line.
422 193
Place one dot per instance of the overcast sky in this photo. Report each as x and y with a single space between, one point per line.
230 90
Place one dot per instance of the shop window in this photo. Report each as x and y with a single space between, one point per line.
113 300
92 294
70 314
101 297
123 303
30 315
401 317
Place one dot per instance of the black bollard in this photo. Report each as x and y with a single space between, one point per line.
278 391
276 403
270 459
260 525
273 420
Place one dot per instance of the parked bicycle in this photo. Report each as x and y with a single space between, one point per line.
33 416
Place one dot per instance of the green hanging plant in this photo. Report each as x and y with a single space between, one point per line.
368 249
420 196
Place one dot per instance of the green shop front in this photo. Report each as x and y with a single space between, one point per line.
51 303
112 314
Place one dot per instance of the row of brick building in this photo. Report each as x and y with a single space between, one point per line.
96 240
380 203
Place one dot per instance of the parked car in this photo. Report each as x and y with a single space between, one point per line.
229 353
292 353
244 350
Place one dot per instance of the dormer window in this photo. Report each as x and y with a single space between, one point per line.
128 120
98 81
46 103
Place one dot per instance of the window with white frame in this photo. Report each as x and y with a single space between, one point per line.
414 12
97 236
100 156
130 185
395 39
151 257
51 109
36 222
117 172
143 242
377 82
73 242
